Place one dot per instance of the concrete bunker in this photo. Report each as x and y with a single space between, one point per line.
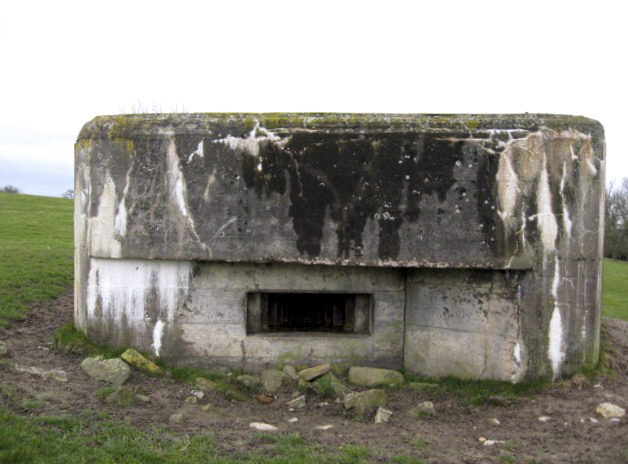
464 245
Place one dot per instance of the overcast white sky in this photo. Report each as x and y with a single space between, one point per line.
62 63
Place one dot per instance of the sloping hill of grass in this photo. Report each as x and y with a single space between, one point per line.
36 247
615 293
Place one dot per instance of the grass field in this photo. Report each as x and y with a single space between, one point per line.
36 265
36 249
615 293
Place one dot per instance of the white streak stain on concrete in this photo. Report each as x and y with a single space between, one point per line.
123 286
101 228
506 185
545 217
121 218
158 333
198 152
517 353
177 182
252 143
210 181
517 370
555 349
567 224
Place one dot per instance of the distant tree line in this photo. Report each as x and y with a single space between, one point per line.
10 189
616 221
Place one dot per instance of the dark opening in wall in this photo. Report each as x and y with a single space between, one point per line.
309 312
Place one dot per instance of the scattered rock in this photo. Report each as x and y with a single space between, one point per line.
373 377
204 384
298 402
272 380
114 370
200 394
248 381
236 395
610 410
492 442
262 427
138 361
593 420
293 420
264 399
142 398
4 351
52 374
382 415
544 418
206 407
291 373
324 427
176 418
426 408
122 396
365 401
494 421
314 372
191 400
329 385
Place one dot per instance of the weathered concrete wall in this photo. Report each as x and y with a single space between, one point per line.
514 199
196 314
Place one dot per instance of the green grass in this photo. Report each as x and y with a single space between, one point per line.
615 292
479 392
36 249
69 340
74 440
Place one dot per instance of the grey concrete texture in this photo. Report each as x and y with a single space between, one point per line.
398 190
478 237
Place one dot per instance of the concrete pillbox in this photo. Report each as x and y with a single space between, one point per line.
464 245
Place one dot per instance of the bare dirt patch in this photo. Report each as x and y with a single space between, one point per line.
573 433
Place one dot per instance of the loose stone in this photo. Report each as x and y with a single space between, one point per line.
610 410
365 401
272 380
314 372
114 371
262 427
291 373
138 361
382 415
324 427
204 384
248 381
373 377
4 351
426 408
297 402
198 393
53 374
